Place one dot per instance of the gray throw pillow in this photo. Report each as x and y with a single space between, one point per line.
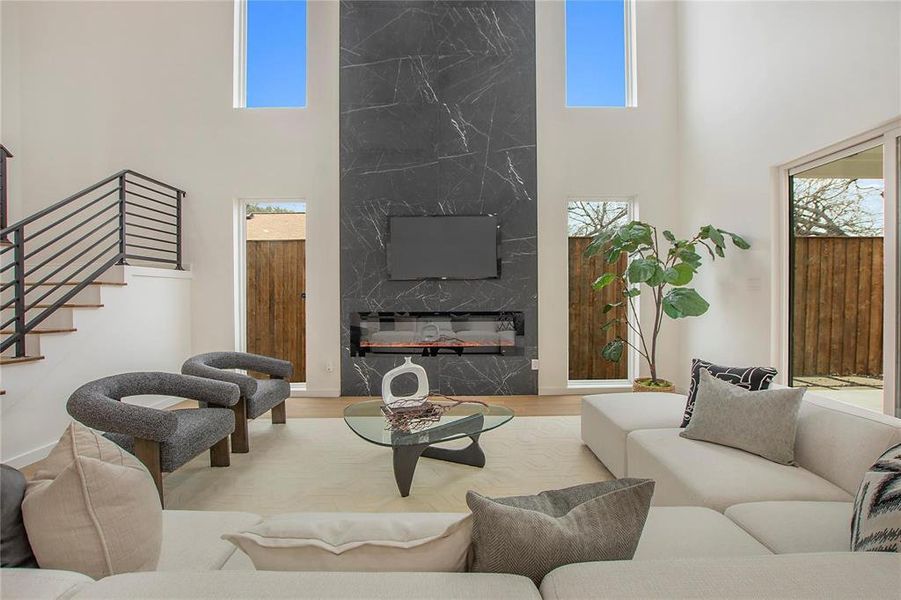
763 422
15 551
876 523
533 535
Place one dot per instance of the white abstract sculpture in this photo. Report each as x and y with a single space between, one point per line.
422 388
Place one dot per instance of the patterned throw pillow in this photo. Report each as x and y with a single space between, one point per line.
752 379
876 522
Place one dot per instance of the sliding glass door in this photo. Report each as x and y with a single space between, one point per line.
843 275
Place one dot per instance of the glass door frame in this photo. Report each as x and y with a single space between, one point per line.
888 137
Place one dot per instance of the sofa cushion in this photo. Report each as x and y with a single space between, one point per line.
693 532
269 393
694 473
749 378
436 542
46 584
531 535
795 527
192 539
608 418
97 516
313 585
831 575
15 551
876 524
763 422
839 442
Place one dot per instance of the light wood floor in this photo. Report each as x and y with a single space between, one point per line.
523 406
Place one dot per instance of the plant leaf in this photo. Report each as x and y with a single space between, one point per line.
642 269
720 252
716 237
613 351
608 307
669 235
609 324
739 241
683 302
603 281
679 274
632 292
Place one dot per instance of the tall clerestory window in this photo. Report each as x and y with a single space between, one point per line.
600 53
270 54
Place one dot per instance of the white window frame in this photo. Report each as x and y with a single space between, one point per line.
632 357
885 135
631 60
240 270
239 80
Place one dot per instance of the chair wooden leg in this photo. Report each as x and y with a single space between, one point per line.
148 452
240 440
279 413
219 453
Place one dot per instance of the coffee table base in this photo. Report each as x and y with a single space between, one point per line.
406 457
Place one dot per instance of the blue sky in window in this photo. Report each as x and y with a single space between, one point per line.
595 53
276 53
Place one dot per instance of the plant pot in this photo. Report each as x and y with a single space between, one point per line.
644 385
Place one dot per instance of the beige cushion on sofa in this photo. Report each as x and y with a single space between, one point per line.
436 542
832 575
693 532
608 418
840 442
793 527
46 584
310 585
192 539
695 473
97 516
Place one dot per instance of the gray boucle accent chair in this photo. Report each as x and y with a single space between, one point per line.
163 440
257 395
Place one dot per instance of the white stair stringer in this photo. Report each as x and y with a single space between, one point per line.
142 326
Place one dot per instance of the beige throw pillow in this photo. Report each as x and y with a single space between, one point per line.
93 508
437 542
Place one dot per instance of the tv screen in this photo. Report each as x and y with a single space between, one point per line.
443 247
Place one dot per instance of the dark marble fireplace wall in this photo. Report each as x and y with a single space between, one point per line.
438 117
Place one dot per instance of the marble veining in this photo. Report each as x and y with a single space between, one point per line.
437 116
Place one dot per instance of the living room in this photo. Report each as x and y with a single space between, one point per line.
539 203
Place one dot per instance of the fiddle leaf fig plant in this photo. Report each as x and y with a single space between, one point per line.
664 268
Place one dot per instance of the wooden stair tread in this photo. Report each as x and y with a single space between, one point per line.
43 331
50 283
66 306
10 360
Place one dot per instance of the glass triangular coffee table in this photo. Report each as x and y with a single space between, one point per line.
467 420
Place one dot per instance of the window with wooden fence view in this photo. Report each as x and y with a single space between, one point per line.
586 317
837 212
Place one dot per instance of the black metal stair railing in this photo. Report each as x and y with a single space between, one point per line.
57 252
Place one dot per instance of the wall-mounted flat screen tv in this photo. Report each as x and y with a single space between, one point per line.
443 247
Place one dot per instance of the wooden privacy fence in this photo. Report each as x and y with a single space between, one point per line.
837 306
586 316
276 311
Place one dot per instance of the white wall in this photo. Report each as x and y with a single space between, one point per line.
761 84
585 152
93 87
109 340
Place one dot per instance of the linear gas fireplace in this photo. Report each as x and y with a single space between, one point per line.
434 333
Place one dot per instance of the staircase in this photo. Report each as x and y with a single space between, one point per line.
58 261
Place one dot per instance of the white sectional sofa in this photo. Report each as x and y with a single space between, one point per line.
767 532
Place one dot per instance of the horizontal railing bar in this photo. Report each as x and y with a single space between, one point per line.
140 185
7 285
166 204
152 180
73 259
152 239
156 210
63 202
5 249
71 214
130 245
130 224
71 275
151 258
8 304
73 230
75 290
9 266
10 322
133 214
